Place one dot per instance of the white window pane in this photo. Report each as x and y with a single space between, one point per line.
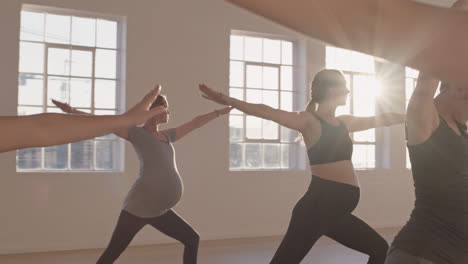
106 65
83 31
412 73
363 62
235 155
254 96
238 94
408 160
58 61
270 130
104 112
82 63
409 89
31 57
287 52
58 88
56 157
346 60
57 29
271 98
254 76
26 110
337 58
236 127
31 89
364 136
82 155
288 135
80 92
271 51
237 48
253 158
105 94
253 49
365 91
287 101
32 26
236 77
285 156
253 127
54 110
270 78
106 34
272 155
287 78
105 151
29 159
364 156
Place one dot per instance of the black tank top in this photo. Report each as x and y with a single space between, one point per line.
333 145
438 226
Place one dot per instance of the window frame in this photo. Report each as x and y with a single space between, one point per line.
120 77
297 92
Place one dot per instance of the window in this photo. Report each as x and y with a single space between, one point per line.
262 71
71 57
359 71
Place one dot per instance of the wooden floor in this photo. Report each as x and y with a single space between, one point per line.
236 251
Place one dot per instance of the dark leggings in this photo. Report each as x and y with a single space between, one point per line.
325 210
169 224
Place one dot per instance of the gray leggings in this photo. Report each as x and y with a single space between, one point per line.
398 256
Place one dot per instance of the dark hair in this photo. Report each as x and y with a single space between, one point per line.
322 81
161 100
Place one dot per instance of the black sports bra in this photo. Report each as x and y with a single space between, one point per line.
333 145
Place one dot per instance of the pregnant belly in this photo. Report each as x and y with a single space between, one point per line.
166 191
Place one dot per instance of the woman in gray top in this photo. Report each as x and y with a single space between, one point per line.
159 187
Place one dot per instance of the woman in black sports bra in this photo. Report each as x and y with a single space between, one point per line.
326 207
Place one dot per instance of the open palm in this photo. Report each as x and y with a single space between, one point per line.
213 95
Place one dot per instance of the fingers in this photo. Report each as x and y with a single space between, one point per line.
152 95
207 97
57 103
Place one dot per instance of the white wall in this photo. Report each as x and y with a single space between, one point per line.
178 43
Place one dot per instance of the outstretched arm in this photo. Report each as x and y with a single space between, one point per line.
123 132
428 38
292 120
355 124
199 121
54 129
423 117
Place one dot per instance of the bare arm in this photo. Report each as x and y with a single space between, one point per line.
292 120
197 122
122 132
54 129
355 124
418 36
422 114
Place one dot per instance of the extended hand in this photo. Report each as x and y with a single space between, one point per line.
63 106
213 95
224 111
141 112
